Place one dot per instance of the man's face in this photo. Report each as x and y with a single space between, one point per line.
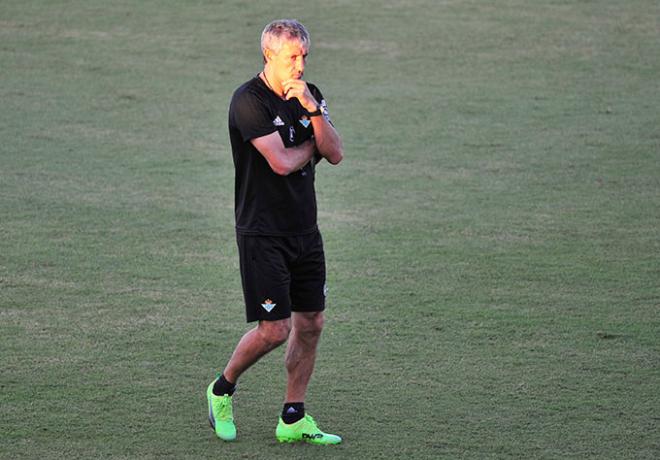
289 62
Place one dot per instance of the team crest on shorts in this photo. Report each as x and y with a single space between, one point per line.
268 305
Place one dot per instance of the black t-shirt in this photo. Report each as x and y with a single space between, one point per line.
267 203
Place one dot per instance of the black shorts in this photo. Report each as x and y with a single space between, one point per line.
281 275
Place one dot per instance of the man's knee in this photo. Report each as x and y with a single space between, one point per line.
275 332
309 323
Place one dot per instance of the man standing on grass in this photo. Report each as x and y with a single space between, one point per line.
279 129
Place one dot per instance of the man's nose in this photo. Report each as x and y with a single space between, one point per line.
300 65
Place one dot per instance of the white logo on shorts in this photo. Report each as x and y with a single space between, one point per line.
268 305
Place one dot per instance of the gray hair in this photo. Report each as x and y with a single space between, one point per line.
280 30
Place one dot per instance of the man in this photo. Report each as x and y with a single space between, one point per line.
279 129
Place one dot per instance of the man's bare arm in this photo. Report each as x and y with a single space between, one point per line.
327 140
282 160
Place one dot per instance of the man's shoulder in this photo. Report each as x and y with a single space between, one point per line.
313 88
248 100
249 89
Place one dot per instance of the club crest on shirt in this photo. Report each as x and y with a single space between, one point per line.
305 121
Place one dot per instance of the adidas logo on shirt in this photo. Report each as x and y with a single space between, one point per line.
278 121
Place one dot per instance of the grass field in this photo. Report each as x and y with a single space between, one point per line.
493 235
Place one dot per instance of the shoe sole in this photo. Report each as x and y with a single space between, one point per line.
292 440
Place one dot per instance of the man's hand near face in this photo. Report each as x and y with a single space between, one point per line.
298 89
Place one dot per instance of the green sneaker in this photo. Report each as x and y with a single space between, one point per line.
221 416
305 430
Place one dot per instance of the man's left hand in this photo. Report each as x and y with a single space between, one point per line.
300 90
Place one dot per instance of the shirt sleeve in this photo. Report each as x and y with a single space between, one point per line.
321 100
251 116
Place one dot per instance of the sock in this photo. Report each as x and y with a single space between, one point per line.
293 412
223 387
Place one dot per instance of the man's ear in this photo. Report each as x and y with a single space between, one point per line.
268 55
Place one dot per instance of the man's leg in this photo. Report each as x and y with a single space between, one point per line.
257 342
294 425
252 346
301 353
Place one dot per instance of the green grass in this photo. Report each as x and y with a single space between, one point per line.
493 235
